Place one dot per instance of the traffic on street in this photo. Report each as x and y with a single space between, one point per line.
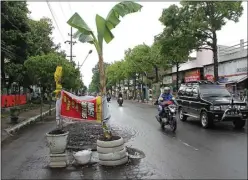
190 153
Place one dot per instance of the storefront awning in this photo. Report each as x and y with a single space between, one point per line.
233 79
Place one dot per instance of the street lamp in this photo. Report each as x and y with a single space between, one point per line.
79 66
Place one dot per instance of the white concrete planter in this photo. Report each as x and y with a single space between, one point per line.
112 153
113 156
57 142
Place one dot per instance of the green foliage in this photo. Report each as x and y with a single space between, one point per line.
205 18
14 30
116 72
40 41
95 81
176 42
41 70
22 38
104 26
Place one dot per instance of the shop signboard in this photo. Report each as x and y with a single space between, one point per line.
167 80
227 69
193 75
209 72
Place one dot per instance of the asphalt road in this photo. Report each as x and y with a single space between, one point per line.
190 153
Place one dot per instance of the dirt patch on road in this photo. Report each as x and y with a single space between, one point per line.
84 135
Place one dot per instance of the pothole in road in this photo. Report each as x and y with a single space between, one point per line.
135 154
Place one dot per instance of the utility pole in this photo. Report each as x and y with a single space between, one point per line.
71 44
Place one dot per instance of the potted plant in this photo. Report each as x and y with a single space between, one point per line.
86 35
14 114
57 139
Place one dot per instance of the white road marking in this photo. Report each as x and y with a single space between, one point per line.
186 144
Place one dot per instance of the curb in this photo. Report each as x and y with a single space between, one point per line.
18 126
136 101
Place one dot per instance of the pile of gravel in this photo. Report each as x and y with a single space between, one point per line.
83 135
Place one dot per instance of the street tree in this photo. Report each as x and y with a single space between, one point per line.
41 71
205 18
39 37
157 59
14 36
95 81
176 43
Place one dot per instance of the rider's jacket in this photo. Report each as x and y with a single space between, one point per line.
166 97
120 95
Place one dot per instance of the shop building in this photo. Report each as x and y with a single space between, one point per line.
232 66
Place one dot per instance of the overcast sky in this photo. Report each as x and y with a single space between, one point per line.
134 29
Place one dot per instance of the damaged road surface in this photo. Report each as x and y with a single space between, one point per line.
189 153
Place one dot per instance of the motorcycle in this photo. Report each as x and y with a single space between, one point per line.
120 101
169 113
108 98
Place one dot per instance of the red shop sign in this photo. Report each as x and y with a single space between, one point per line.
192 76
209 77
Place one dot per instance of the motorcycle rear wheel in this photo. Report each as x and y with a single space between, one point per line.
173 125
162 125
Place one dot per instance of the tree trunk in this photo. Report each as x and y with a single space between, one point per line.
135 94
142 94
128 83
102 76
177 83
2 68
215 56
41 103
156 72
107 132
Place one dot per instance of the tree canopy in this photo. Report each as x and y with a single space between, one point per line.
27 41
188 27
41 71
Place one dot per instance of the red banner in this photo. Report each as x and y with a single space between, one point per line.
12 100
75 107
209 77
192 76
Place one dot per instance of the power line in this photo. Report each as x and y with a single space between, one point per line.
70 7
50 8
10 22
62 9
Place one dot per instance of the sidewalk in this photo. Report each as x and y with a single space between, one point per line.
139 101
24 115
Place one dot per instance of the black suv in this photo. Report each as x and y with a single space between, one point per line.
210 102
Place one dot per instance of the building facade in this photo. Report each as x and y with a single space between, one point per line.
232 67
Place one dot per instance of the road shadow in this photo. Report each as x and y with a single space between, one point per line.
168 132
218 127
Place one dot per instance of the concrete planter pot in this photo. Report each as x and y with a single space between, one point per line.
57 141
113 152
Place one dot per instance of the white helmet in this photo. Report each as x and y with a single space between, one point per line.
166 89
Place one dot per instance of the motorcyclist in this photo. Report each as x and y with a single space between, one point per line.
162 100
108 96
119 96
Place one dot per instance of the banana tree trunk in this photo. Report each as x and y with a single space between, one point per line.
106 130
102 77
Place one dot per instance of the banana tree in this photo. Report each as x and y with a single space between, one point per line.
104 26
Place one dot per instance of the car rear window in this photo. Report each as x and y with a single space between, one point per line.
214 90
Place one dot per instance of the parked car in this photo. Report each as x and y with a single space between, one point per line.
210 103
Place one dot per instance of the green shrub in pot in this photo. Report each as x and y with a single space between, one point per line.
14 114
